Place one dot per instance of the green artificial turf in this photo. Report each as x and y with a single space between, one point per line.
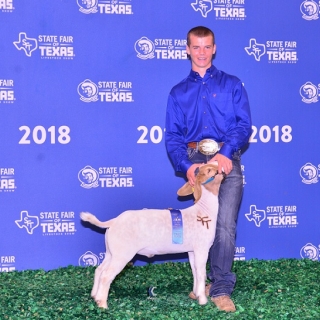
280 289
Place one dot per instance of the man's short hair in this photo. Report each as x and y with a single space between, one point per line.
200 32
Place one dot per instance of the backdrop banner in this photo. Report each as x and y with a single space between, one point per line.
83 93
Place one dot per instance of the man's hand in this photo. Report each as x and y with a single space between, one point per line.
190 173
223 162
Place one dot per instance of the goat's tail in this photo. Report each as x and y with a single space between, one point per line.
87 216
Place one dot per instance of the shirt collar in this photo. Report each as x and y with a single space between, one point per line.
210 72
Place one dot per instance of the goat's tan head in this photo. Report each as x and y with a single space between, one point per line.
208 177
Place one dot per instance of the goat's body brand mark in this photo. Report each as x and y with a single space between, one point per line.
123 7
277 51
277 216
223 9
204 221
50 46
310 10
105 91
309 251
309 173
7 181
106 177
7 263
164 49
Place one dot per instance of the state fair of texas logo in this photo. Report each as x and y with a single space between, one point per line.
309 173
28 45
276 51
309 251
276 216
309 10
309 92
255 215
28 222
255 49
204 6
89 259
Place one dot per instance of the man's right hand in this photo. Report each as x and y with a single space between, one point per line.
190 173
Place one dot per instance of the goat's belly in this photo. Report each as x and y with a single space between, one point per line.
165 249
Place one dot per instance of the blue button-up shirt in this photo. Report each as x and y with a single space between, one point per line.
213 107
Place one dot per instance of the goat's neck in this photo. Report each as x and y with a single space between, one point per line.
206 203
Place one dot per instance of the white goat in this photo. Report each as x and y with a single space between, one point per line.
149 232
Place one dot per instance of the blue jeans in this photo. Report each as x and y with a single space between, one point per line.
221 253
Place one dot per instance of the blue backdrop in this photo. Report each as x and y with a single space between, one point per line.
83 92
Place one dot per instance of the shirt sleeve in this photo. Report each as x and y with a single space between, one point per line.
238 136
175 136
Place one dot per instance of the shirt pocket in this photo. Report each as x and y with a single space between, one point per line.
221 104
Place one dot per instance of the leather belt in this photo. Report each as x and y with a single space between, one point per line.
206 146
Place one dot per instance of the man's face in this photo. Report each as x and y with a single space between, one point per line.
201 51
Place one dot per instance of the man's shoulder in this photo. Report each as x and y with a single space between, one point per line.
180 86
227 76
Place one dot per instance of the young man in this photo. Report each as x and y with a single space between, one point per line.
208 119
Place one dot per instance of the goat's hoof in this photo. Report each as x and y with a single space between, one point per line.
192 295
102 304
203 301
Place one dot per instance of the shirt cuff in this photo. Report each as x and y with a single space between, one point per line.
185 165
227 151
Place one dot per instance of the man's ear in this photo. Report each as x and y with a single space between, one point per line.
187 49
214 49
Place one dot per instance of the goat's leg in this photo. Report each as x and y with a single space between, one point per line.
103 266
200 260
192 294
116 265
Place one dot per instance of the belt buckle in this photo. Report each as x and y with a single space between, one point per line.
208 147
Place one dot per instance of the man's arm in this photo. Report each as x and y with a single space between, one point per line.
175 136
238 136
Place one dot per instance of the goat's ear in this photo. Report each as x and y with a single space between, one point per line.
185 190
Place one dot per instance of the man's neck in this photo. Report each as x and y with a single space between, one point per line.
201 71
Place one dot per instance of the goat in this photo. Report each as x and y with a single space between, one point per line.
148 232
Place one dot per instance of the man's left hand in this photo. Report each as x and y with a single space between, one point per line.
223 162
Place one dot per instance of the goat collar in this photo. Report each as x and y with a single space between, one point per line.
212 178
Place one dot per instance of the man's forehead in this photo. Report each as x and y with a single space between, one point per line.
194 39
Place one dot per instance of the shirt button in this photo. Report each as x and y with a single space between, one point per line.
203 82
203 97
